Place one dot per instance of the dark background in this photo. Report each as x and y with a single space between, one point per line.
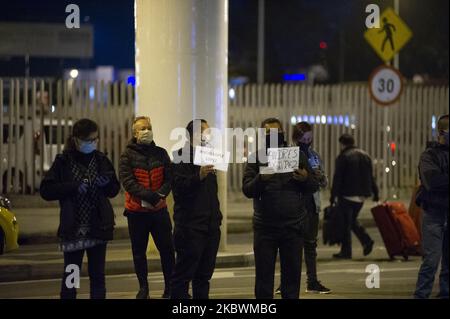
294 30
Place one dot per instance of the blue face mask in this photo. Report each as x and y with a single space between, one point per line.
87 147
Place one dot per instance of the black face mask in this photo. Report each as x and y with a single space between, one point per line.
304 147
280 140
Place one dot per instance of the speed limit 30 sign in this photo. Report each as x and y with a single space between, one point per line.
385 85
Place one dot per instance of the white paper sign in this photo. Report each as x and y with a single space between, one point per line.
282 160
211 156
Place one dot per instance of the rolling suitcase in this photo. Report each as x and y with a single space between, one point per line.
399 233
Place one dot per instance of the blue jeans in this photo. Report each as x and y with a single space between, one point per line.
435 250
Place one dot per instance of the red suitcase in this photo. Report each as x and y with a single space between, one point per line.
397 229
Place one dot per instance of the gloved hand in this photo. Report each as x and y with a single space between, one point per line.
83 188
102 181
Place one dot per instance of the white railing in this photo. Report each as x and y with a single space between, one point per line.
36 116
29 107
335 109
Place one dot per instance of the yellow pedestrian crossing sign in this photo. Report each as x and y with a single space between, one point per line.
390 37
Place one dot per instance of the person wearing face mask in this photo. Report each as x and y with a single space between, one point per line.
146 176
197 218
433 198
279 217
83 180
303 137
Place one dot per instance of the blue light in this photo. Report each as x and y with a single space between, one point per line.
347 121
91 92
433 122
295 77
311 119
131 80
335 120
305 118
329 119
341 119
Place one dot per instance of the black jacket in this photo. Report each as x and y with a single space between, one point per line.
196 202
353 175
58 184
278 200
433 172
148 158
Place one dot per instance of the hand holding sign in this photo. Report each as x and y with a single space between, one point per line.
300 174
205 170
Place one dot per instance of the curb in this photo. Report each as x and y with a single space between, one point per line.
10 273
235 226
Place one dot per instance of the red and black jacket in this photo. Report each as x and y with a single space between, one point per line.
146 175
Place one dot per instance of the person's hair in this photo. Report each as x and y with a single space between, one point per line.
190 127
347 139
271 120
139 118
81 129
300 129
442 124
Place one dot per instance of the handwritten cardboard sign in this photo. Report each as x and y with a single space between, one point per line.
211 156
282 160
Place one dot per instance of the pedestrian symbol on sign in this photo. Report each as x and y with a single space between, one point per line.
388 28
390 37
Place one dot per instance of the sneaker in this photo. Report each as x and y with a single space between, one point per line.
341 256
143 294
278 291
317 288
367 249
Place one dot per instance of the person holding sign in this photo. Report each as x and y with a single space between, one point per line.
145 173
197 218
279 214
303 137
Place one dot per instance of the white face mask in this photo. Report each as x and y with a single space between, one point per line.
145 137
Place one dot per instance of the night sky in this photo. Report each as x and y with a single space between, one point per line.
294 30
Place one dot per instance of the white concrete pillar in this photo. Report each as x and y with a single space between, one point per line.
181 68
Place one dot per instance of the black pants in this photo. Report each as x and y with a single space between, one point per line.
266 245
196 260
158 224
96 268
350 211
311 230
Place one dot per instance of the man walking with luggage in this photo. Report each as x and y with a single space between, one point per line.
353 183
279 218
433 198
145 173
197 218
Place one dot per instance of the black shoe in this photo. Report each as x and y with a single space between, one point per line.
278 291
341 256
367 249
143 294
317 288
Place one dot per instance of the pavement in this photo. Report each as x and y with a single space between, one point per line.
232 279
38 257
38 220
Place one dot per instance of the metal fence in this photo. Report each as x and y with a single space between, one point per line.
335 109
36 116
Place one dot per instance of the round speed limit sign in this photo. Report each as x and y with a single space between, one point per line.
385 85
